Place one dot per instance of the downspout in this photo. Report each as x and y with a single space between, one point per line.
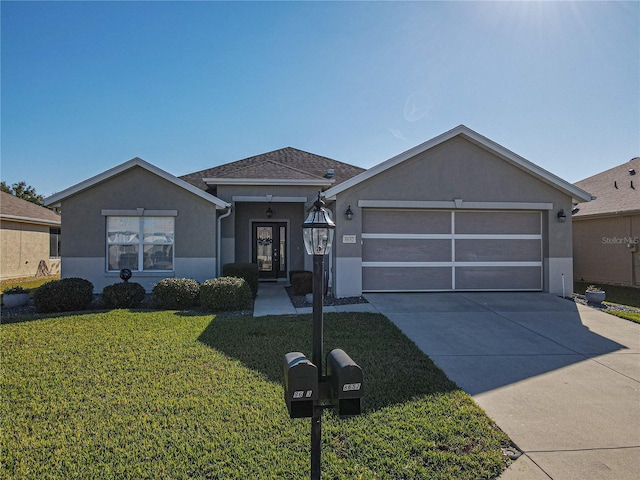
219 239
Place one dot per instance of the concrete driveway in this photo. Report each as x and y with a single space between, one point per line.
562 380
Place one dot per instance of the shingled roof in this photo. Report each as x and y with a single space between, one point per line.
17 209
617 191
283 164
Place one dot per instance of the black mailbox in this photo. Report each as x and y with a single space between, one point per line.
346 380
300 385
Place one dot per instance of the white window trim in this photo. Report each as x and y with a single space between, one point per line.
140 214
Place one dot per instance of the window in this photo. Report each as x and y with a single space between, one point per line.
140 243
54 242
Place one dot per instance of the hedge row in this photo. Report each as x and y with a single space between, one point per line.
75 294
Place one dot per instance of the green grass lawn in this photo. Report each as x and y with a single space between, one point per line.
178 395
634 317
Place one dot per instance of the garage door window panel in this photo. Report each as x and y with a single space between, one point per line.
493 223
498 250
498 278
407 279
396 221
406 250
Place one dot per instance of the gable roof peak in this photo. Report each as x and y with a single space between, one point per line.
477 139
56 198
287 163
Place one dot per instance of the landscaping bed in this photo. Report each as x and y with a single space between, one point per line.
181 394
299 301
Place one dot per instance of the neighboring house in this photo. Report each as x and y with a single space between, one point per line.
459 212
29 234
606 231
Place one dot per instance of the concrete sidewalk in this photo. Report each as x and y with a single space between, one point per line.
562 380
273 299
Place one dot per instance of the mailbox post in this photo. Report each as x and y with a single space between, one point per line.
305 386
317 232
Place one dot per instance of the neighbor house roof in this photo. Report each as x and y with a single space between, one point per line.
284 166
19 210
616 191
134 162
516 160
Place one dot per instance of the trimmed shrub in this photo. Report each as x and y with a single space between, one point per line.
248 271
123 295
302 282
65 295
226 294
176 293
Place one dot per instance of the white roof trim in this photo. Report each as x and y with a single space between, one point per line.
134 162
508 155
461 205
38 221
265 199
266 181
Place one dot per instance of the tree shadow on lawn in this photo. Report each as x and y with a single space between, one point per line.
395 370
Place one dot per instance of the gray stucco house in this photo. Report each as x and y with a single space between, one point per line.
458 212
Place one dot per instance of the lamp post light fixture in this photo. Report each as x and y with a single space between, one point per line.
318 231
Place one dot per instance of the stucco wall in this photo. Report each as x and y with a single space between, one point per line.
236 229
22 246
85 227
601 252
459 169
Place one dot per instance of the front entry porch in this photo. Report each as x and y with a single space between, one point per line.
269 249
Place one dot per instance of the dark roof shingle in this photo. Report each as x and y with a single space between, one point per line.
616 191
12 206
285 163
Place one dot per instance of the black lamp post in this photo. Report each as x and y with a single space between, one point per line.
318 237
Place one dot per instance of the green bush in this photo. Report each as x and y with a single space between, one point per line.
176 293
302 282
123 295
225 294
248 271
65 295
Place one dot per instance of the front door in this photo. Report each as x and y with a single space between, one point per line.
270 249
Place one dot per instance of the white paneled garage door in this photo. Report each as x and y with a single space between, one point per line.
429 250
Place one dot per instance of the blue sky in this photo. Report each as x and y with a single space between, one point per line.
189 85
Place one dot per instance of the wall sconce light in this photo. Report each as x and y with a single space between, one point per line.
561 216
269 211
349 213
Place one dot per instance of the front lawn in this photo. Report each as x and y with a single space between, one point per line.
179 395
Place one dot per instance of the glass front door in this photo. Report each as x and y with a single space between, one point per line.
270 249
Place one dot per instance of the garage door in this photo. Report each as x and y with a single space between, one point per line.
443 250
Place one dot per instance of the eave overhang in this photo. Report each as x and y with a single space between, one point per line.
33 221
269 181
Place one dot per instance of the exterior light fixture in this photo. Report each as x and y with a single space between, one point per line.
318 230
349 213
269 211
561 216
